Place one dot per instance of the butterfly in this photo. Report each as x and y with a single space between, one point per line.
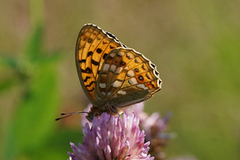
112 75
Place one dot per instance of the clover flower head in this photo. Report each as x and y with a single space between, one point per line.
110 138
155 127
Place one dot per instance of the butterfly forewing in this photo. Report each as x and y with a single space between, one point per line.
93 45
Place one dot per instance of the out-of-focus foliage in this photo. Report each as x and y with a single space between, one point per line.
194 44
32 119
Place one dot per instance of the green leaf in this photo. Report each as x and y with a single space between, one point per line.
33 121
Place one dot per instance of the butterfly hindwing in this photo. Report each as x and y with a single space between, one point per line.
126 77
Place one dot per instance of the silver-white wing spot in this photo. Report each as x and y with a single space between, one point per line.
120 54
102 85
130 73
129 55
112 55
113 67
106 67
122 92
133 81
137 60
119 70
117 83
142 86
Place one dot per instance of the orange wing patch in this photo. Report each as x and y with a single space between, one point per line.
93 45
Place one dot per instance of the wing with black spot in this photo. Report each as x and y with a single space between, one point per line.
93 45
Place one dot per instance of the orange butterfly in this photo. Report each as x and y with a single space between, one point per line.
112 75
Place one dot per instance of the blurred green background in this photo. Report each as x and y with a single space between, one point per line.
195 45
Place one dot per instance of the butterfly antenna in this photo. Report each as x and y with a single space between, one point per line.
68 114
